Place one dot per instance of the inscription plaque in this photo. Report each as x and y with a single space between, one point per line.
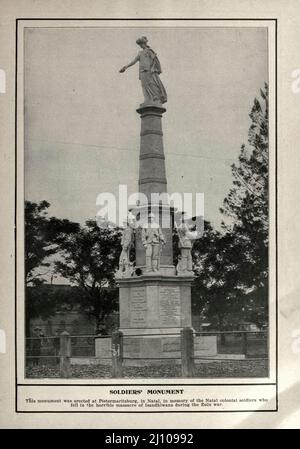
138 307
169 306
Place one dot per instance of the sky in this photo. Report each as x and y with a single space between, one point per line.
82 129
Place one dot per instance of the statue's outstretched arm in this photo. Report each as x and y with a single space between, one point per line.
134 61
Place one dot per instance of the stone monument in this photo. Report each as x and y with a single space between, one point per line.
156 304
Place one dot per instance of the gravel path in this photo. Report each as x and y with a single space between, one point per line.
224 368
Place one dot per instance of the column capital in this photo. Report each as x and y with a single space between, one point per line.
150 109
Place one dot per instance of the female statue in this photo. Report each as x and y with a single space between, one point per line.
149 70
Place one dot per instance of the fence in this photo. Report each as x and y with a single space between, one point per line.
252 344
228 345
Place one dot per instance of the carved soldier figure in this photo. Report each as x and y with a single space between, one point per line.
153 240
125 266
186 238
149 71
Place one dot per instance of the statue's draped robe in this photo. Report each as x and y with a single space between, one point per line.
149 70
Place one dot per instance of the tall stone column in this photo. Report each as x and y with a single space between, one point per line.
152 174
152 178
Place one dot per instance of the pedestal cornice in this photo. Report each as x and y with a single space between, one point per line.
154 278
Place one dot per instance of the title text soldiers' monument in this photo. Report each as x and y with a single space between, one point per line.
155 297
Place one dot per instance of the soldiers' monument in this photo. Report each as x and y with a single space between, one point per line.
155 296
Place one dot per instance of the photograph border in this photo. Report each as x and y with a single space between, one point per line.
267 19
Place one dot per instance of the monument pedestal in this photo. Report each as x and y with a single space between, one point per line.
153 310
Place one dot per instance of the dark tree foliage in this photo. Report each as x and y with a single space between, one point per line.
44 300
232 266
90 257
42 236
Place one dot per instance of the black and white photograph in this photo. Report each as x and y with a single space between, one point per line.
147 202
149 217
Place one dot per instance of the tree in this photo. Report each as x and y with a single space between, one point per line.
232 265
90 257
213 290
42 235
248 198
248 204
40 302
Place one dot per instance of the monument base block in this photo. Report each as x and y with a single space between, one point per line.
153 310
